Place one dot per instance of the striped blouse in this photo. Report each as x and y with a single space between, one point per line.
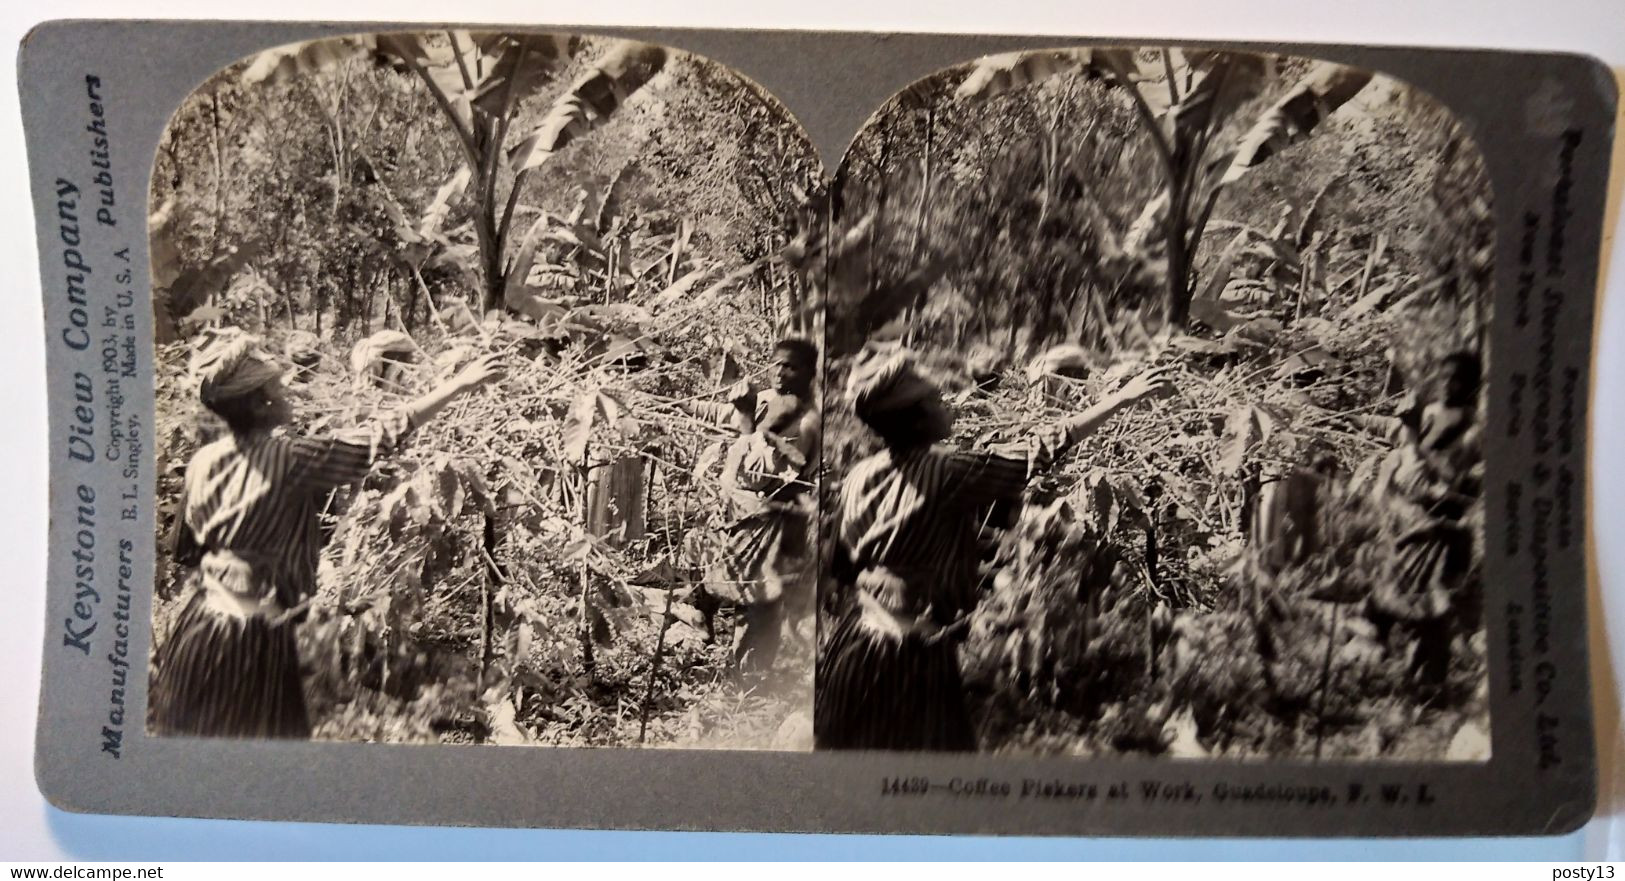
252 503
909 520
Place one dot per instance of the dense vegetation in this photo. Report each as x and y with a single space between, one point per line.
1299 244
605 214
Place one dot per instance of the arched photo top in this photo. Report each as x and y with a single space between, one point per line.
1264 102
1173 151
1218 321
576 237
510 127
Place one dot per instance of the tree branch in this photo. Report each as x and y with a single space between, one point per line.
508 209
1149 119
439 95
1168 69
462 66
493 158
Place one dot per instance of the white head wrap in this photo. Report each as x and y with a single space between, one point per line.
885 384
231 365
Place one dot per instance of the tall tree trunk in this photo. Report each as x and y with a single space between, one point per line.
1179 299
490 256
219 176
366 309
1180 251
672 544
588 664
494 577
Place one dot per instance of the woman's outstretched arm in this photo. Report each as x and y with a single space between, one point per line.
346 458
478 372
1074 429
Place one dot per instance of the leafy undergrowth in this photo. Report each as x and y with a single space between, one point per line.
1079 220
507 577
1129 607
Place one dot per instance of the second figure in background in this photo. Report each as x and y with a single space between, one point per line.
768 474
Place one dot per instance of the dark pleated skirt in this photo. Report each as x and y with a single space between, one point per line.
1429 564
878 692
766 557
224 676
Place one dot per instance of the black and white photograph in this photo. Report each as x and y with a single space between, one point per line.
486 405
1154 398
664 426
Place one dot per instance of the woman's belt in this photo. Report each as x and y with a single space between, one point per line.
244 584
888 607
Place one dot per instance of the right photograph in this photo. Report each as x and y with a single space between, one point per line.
1154 393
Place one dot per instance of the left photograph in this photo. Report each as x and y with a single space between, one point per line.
487 409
